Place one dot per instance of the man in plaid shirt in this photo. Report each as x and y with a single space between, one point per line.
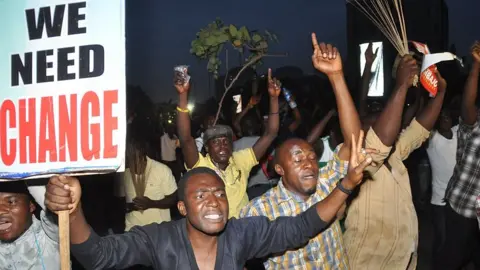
463 236
303 185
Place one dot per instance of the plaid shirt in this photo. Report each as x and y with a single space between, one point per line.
464 186
326 250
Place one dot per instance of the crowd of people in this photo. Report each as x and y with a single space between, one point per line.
254 195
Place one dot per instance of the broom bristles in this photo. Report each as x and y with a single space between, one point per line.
380 14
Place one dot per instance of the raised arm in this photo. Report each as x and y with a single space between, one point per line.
469 110
262 144
326 59
366 77
297 119
292 232
93 252
413 109
238 118
319 128
429 115
189 148
389 122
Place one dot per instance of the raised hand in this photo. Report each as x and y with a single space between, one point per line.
360 159
476 51
179 83
326 58
369 55
406 71
274 85
63 193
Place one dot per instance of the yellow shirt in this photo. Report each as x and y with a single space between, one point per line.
381 225
159 184
235 177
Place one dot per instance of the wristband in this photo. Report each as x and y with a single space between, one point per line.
182 110
343 189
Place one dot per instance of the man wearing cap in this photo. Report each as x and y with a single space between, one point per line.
233 167
25 241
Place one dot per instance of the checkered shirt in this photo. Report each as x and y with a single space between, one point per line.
325 251
464 186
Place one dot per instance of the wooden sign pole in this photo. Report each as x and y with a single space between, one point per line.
64 234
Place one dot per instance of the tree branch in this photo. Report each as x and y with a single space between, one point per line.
226 72
249 63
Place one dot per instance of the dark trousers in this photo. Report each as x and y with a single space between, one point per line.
462 242
439 229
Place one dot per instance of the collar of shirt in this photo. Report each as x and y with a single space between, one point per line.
284 195
230 175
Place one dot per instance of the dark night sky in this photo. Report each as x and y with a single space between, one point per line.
159 34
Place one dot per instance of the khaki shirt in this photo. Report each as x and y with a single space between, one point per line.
381 225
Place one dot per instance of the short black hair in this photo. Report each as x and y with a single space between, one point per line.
182 184
18 187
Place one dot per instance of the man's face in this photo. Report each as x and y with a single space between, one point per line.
220 149
15 215
297 164
205 205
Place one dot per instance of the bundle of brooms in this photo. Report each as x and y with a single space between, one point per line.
387 16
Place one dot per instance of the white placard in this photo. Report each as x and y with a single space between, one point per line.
63 92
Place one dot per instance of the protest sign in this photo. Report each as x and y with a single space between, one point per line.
62 87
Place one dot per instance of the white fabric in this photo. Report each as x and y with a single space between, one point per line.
328 153
199 143
441 152
168 147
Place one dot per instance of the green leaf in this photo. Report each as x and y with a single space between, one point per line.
257 38
245 33
233 30
222 38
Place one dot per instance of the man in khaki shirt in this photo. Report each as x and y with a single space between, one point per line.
381 226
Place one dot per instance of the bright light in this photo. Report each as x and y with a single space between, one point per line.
190 107
376 87
169 121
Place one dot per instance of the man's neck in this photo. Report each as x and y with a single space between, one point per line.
200 240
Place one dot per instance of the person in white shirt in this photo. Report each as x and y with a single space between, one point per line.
25 241
441 151
169 144
149 187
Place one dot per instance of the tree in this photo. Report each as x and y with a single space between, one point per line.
211 41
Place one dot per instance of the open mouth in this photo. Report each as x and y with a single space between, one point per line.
214 217
5 226
309 177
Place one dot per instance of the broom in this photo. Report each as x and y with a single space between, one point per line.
391 22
